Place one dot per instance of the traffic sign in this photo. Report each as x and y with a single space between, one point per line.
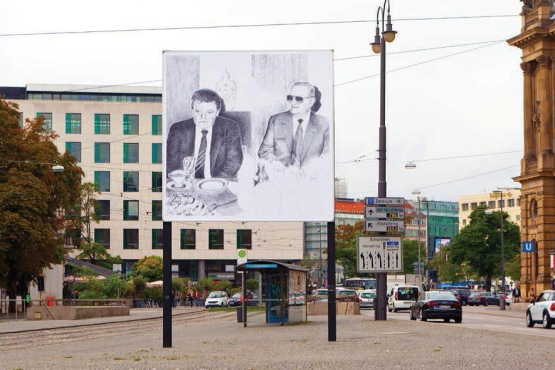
376 212
527 247
384 201
379 254
384 225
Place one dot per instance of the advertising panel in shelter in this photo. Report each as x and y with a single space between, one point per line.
248 136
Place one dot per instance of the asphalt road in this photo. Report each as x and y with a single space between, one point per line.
484 318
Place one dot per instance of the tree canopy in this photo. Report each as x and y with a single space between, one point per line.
149 267
479 243
33 199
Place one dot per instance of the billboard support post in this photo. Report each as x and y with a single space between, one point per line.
332 327
167 285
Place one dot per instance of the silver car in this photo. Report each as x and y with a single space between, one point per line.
366 298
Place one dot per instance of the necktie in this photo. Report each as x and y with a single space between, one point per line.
201 157
298 144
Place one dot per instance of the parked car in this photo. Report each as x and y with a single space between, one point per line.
542 310
462 295
483 298
216 298
234 300
346 295
402 297
366 298
319 294
507 297
437 305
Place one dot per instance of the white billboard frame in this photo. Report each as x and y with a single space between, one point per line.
265 123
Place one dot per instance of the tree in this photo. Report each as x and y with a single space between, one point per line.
410 255
479 243
512 267
346 247
149 267
33 199
83 216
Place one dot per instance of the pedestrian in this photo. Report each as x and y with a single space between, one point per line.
516 293
532 294
197 297
190 298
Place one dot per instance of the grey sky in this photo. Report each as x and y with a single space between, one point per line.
466 104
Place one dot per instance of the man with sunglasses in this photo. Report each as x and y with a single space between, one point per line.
297 137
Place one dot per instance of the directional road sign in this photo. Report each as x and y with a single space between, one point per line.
384 225
377 212
379 254
384 201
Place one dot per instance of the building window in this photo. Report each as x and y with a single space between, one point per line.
102 178
465 207
244 239
21 120
215 239
131 124
473 206
74 149
482 204
101 152
102 237
102 124
188 238
464 222
518 202
103 209
156 153
131 181
501 203
511 202
157 239
73 123
518 217
156 182
130 238
47 121
491 204
156 125
130 153
131 210
156 210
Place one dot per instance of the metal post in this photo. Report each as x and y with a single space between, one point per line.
332 324
419 260
167 285
320 258
502 249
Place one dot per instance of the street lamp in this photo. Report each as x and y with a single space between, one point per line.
425 200
378 46
417 193
500 192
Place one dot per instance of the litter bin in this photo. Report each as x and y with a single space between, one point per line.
502 304
239 313
49 300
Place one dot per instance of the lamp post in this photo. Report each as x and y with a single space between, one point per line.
425 200
378 47
500 192
320 257
417 193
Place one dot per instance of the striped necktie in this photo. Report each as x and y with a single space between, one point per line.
201 157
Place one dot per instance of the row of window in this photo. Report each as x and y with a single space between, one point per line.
97 97
102 152
505 203
187 238
130 181
102 123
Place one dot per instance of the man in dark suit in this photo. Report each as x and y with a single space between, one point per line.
296 137
214 141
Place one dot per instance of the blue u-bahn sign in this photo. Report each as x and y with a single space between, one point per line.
527 247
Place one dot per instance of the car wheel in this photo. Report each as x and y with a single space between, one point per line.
394 308
546 323
486 303
423 318
458 320
471 304
446 320
389 309
529 322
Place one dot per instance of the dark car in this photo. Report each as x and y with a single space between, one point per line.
483 298
462 295
437 305
236 300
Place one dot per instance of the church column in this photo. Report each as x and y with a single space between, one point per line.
543 87
529 135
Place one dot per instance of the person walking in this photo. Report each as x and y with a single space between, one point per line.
516 293
197 297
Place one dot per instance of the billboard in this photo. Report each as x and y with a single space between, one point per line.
248 136
440 242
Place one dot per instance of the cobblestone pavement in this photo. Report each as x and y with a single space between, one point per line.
217 341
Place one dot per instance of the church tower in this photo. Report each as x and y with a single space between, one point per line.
537 176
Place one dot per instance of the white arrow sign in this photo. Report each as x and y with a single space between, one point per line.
379 254
383 212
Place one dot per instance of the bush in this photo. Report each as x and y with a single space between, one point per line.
150 267
206 284
223 285
154 293
252 284
140 285
234 290
114 286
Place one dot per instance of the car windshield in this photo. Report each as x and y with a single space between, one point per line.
367 295
437 296
346 292
236 295
407 294
216 295
321 292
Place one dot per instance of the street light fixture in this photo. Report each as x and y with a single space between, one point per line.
417 193
378 46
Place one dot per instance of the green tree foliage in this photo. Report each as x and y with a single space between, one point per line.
446 270
252 284
139 285
512 267
206 284
223 285
149 267
346 247
410 255
479 243
31 198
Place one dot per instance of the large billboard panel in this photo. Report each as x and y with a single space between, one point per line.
248 136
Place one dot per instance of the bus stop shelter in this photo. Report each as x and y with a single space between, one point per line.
283 291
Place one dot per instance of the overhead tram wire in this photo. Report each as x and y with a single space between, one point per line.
466 178
254 25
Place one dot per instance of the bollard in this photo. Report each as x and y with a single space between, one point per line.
502 304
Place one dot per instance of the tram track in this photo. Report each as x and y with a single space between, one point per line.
69 334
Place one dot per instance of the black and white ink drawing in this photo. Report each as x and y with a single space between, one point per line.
248 136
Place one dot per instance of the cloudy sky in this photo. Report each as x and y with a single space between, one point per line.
454 86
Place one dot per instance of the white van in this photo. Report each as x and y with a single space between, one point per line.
401 297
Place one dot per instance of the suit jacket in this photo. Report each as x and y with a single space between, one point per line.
226 155
278 140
